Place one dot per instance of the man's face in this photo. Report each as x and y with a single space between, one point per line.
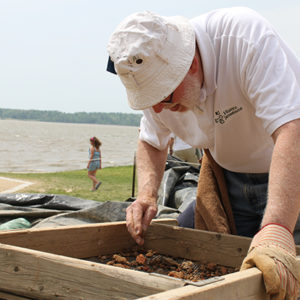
186 96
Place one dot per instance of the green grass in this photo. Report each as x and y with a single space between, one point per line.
116 183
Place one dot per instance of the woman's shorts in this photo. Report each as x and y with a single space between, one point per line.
94 165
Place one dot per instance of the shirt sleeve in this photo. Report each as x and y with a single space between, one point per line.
153 131
271 84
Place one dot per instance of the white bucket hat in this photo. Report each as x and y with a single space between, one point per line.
151 55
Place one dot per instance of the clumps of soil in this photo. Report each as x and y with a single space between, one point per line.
150 261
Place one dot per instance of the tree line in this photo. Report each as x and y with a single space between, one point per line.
125 119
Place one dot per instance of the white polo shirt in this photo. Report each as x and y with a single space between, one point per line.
252 82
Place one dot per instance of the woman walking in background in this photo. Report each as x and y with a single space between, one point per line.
94 162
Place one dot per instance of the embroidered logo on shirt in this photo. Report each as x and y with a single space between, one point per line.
221 117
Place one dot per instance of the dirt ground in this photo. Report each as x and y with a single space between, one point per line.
140 259
9 185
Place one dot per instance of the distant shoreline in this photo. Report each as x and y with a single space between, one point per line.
121 119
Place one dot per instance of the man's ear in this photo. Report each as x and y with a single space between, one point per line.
195 65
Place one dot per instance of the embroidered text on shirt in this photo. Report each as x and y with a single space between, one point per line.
227 113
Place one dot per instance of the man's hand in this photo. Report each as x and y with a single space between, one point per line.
138 217
150 168
273 252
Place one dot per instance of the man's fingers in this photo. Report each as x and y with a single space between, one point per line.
138 217
129 221
149 215
133 222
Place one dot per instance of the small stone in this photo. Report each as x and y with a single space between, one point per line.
176 274
155 260
223 270
211 266
187 265
141 259
120 259
169 261
150 253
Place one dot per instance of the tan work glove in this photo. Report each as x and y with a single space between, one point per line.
273 252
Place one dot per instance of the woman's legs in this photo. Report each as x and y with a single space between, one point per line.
92 176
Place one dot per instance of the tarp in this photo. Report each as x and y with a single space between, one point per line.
177 190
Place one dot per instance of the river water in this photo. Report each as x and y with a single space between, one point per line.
31 146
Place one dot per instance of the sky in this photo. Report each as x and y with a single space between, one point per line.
53 53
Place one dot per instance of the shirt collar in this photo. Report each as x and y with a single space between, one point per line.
207 53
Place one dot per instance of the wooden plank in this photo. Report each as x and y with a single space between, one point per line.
246 285
172 222
80 241
9 296
243 285
85 241
198 245
41 275
90 240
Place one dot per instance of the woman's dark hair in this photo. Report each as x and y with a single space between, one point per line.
96 142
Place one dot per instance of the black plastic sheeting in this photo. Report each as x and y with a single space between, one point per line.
58 210
177 190
178 187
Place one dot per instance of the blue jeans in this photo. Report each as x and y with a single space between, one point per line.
248 197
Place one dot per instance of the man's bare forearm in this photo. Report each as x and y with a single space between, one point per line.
150 169
284 186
